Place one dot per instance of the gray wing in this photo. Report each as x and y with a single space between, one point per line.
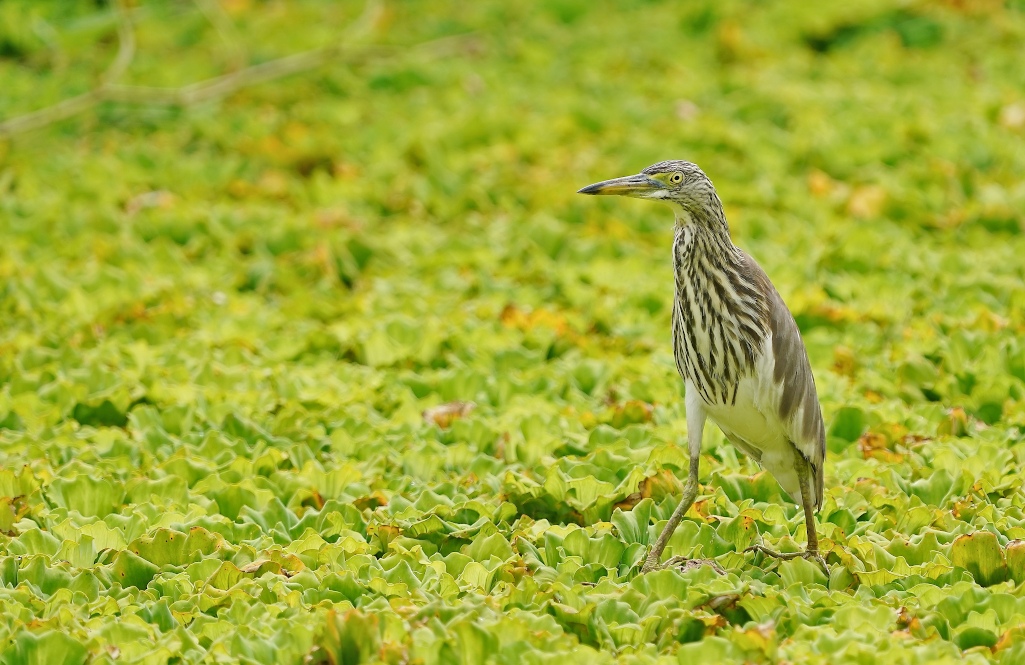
792 392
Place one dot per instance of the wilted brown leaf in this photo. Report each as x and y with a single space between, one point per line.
844 362
905 619
731 44
236 6
514 317
876 445
873 397
866 201
701 509
315 499
976 7
7 516
273 183
956 422
661 484
160 198
820 184
631 412
713 623
629 501
761 637
373 500
444 414
656 487
384 533
687 110
964 509
1012 116
261 566
1010 638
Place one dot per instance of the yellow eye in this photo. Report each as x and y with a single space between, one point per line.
675 178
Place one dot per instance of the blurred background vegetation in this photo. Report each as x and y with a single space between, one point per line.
246 245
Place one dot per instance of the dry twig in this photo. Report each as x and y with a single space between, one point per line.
212 88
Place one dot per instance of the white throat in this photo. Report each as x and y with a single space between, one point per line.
683 216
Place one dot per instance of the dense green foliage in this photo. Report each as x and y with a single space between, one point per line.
222 326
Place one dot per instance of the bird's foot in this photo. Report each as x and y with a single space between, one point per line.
682 563
810 555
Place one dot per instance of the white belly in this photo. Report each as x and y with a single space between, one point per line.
758 432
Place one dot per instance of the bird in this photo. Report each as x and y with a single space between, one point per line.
737 348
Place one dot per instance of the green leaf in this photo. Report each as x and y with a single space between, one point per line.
741 531
104 414
91 497
474 645
849 423
1016 560
484 548
431 524
970 637
163 547
711 649
980 554
633 525
131 570
801 572
225 576
225 330
604 550
44 648
34 541
349 638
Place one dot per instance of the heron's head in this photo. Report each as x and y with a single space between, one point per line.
682 184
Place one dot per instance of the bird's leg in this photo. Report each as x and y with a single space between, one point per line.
695 427
690 491
812 549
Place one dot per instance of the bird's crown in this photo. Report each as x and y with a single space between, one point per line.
675 166
679 175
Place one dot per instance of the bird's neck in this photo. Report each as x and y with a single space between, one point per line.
704 212
720 312
706 261
703 234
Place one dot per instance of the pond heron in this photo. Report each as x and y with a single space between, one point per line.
737 348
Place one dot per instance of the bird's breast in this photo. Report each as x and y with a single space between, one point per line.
714 341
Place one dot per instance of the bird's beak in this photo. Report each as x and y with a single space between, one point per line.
640 186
